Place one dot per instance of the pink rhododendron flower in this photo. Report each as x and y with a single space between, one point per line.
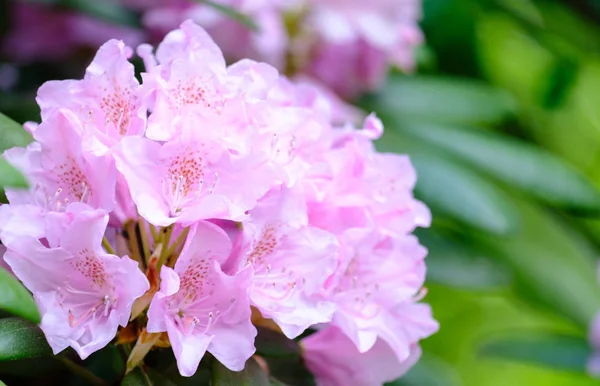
107 101
83 293
375 290
208 194
202 308
291 262
334 360
61 168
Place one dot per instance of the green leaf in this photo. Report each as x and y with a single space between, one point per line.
252 375
10 176
12 134
554 267
551 350
524 9
15 299
276 382
45 366
430 371
232 13
271 343
20 339
107 11
145 377
290 370
460 264
461 194
452 190
439 99
107 364
515 162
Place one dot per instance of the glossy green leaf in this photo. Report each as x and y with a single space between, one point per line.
514 162
270 343
460 264
555 351
12 134
554 267
145 377
252 375
14 298
451 189
232 13
10 176
20 339
461 194
441 100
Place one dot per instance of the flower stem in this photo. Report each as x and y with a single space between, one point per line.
165 242
144 239
81 372
180 239
106 244
132 241
154 232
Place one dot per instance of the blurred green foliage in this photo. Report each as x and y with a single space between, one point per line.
503 127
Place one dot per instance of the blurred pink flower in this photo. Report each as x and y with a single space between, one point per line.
237 40
334 360
41 32
350 44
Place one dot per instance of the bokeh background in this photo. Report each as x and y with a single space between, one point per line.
502 121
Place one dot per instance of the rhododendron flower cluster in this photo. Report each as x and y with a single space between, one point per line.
347 45
209 193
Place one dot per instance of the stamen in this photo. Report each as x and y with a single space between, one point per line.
178 194
214 185
84 192
54 198
121 114
210 322
106 305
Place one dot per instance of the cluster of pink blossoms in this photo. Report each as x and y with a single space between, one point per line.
206 192
347 45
